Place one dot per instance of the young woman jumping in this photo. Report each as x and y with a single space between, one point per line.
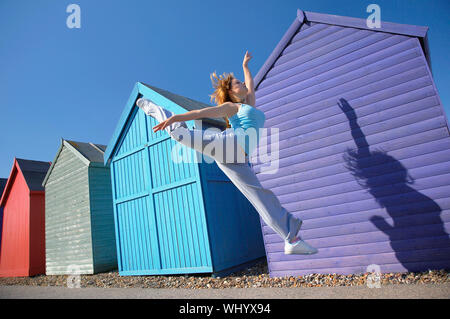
235 102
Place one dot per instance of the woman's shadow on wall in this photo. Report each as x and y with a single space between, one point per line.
417 234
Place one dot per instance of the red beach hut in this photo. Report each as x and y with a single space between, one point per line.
23 237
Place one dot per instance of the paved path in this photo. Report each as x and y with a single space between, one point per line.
416 291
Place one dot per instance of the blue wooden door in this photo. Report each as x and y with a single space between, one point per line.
158 205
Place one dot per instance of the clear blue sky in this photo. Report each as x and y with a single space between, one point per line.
73 83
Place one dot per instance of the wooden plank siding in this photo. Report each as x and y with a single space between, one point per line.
79 213
155 235
102 219
22 250
232 219
67 216
15 250
364 151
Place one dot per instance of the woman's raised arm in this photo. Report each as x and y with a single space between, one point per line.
250 98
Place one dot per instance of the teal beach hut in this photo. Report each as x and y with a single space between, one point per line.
173 216
79 222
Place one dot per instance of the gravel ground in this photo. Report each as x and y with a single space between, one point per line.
256 276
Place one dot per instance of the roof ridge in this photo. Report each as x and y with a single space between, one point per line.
28 161
96 147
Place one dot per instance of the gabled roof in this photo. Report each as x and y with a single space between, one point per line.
33 172
308 16
174 102
92 152
88 153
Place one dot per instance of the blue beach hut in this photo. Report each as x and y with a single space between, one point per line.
174 217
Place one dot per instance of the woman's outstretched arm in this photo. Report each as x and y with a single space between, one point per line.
225 109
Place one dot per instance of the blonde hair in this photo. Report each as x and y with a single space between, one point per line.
221 86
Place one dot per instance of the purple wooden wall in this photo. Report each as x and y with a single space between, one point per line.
364 152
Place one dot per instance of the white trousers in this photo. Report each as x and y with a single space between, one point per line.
239 172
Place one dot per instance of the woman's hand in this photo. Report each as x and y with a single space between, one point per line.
247 58
164 124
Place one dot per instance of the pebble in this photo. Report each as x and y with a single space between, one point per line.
256 276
